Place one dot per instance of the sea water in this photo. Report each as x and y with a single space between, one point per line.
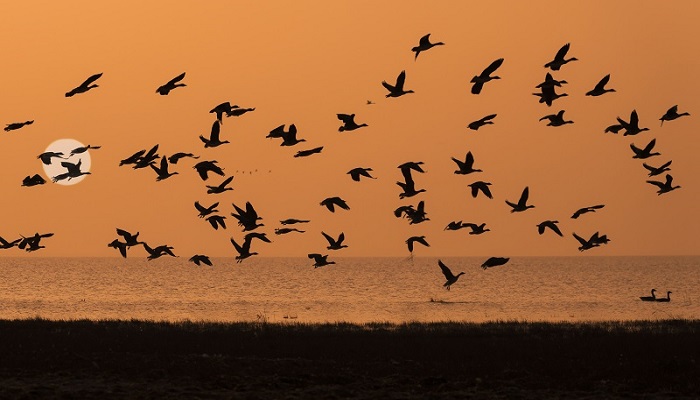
352 290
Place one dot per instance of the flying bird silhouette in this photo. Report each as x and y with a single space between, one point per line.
653 171
247 218
410 242
306 153
451 278
83 149
205 167
585 210
356 173
213 140
397 89
348 122
33 180
129 239
485 76
217 221
475 125
331 202
159 251
665 187
320 260
548 94
200 259
632 127
163 171
47 157
178 156
549 224
560 58
522 203
670 115
334 244
121 246
467 166
17 125
85 86
284 231
73 171
221 187
244 249
645 152
556 119
4 244
481 186
599 88
172 84
423 45
476 229
292 221
204 211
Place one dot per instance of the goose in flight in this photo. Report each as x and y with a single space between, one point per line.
411 165
467 166
649 298
85 86
409 186
132 159
454 226
549 224
556 119
163 171
475 125
33 180
522 203
615 128
550 82
17 125
73 171
289 138
560 58
205 167
424 44
645 152
292 221
397 89
481 186
548 94
177 156
47 157
32 243
410 242
665 299
244 249
199 259
653 171
477 229
174 83
349 124
4 244
599 88
485 76
331 202
632 127
204 211
146 159
665 187
494 262
414 215
213 140
334 244
217 221
279 131
220 110
237 111
370 102
121 246
320 260
129 239
158 251
306 153
358 172
221 187
451 278
585 210
670 115
83 149
593 241
247 218
284 231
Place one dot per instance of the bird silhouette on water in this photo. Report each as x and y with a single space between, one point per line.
467 166
172 84
494 262
522 203
214 140
331 202
556 119
549 224
222 187
33 180
244 249
306 153
481 186
320 260
410 242
247 218
451 278
599 88
487 120
665 299
666 186
88 84
645 152
199 259
358 172
560 58
585 210
653 171
17 125
424 44
203 168
334 244
397 89
485 76
349 123
670 115
649 298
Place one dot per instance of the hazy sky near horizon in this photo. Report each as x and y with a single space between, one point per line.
302 63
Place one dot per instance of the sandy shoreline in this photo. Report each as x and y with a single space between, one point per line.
142 359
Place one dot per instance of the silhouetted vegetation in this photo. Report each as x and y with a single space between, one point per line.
91 359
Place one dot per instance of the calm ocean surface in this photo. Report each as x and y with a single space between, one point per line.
353 290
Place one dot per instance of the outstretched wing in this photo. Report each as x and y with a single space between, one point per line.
445 271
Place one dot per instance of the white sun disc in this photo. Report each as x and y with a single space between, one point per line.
63 147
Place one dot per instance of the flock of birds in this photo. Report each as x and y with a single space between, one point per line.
248 218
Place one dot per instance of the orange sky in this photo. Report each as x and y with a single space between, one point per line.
303 62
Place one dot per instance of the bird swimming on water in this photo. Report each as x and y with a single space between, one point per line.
649 298
665 299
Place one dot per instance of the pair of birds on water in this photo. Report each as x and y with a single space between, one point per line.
657 299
